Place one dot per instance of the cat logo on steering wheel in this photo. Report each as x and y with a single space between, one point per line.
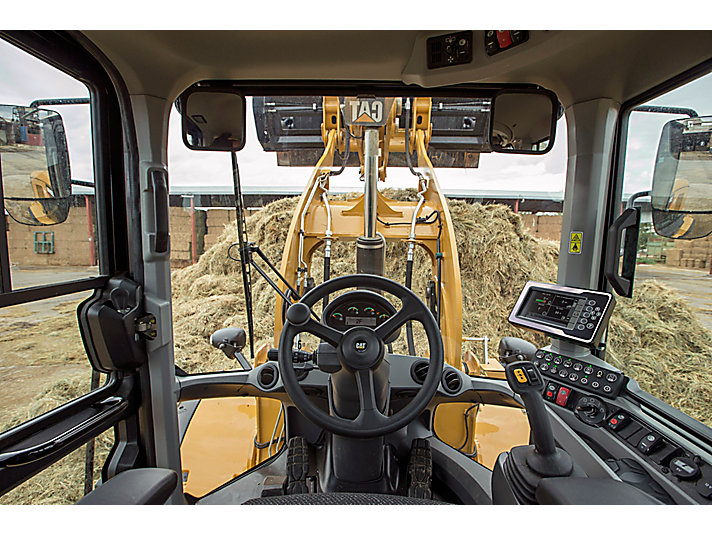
361 346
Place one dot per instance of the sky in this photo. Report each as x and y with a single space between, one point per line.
24 78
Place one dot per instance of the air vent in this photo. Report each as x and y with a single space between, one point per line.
268 376
418 372
451 381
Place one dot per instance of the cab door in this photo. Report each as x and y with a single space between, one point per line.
72 306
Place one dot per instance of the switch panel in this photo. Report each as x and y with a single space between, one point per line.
449 50
578 374
497 41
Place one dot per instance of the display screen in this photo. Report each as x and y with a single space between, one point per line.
360 321
553 308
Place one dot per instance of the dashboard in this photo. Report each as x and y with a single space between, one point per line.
357 308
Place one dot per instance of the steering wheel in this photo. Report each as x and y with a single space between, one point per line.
360 351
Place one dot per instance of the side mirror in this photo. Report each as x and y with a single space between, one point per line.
231 341
34 165
213 119
681 197
523 121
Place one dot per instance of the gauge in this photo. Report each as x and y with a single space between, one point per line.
352 310
369 311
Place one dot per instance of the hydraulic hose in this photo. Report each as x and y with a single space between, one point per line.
409 324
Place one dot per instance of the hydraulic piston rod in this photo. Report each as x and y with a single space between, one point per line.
370 171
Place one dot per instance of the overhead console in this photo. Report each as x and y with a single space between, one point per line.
575 315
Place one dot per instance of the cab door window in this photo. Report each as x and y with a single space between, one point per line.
662 336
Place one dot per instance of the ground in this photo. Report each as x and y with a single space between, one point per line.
694 285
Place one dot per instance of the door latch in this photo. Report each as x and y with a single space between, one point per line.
146 327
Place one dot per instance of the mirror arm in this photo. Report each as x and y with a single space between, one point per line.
58 102
667 109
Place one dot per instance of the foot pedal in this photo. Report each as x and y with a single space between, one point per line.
420 470
297 465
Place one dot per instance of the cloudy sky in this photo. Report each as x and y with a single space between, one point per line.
24 79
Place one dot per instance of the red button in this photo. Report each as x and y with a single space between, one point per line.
614 421
504 38
563 396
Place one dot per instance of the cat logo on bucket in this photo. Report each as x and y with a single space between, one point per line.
366 111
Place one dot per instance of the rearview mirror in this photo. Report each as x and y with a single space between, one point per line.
212 119
681 196
34 165
523 121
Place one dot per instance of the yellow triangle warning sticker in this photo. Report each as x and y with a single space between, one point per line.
575 243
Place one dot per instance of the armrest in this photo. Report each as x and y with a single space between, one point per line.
135 486
576 490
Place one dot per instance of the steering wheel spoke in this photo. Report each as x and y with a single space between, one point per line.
369 413
322 331
402 316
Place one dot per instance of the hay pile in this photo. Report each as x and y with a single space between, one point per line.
62 482
496 258
654 337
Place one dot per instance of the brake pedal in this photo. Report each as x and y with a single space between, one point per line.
297 465
420 470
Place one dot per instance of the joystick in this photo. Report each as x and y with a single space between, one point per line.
518 473
544 458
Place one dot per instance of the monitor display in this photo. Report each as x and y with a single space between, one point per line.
553 308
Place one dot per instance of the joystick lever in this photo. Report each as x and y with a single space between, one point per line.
544 458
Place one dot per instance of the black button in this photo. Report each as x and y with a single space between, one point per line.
568 363
573 377
584 381
599 373
544 366
704 488
649 442
539 355
684 468
611 377
607 388
588 370
557 360
578 366
563 373
549 357
595 385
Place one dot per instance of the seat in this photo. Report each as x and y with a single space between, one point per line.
340 499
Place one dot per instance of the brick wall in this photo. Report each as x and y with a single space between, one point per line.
542 226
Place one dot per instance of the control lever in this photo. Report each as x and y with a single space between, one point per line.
231 341
544 458
513 349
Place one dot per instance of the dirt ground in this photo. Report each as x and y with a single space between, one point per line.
36 347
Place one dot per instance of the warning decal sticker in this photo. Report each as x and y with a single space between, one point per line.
575 242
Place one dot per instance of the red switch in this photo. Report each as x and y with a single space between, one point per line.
563 396
504 38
